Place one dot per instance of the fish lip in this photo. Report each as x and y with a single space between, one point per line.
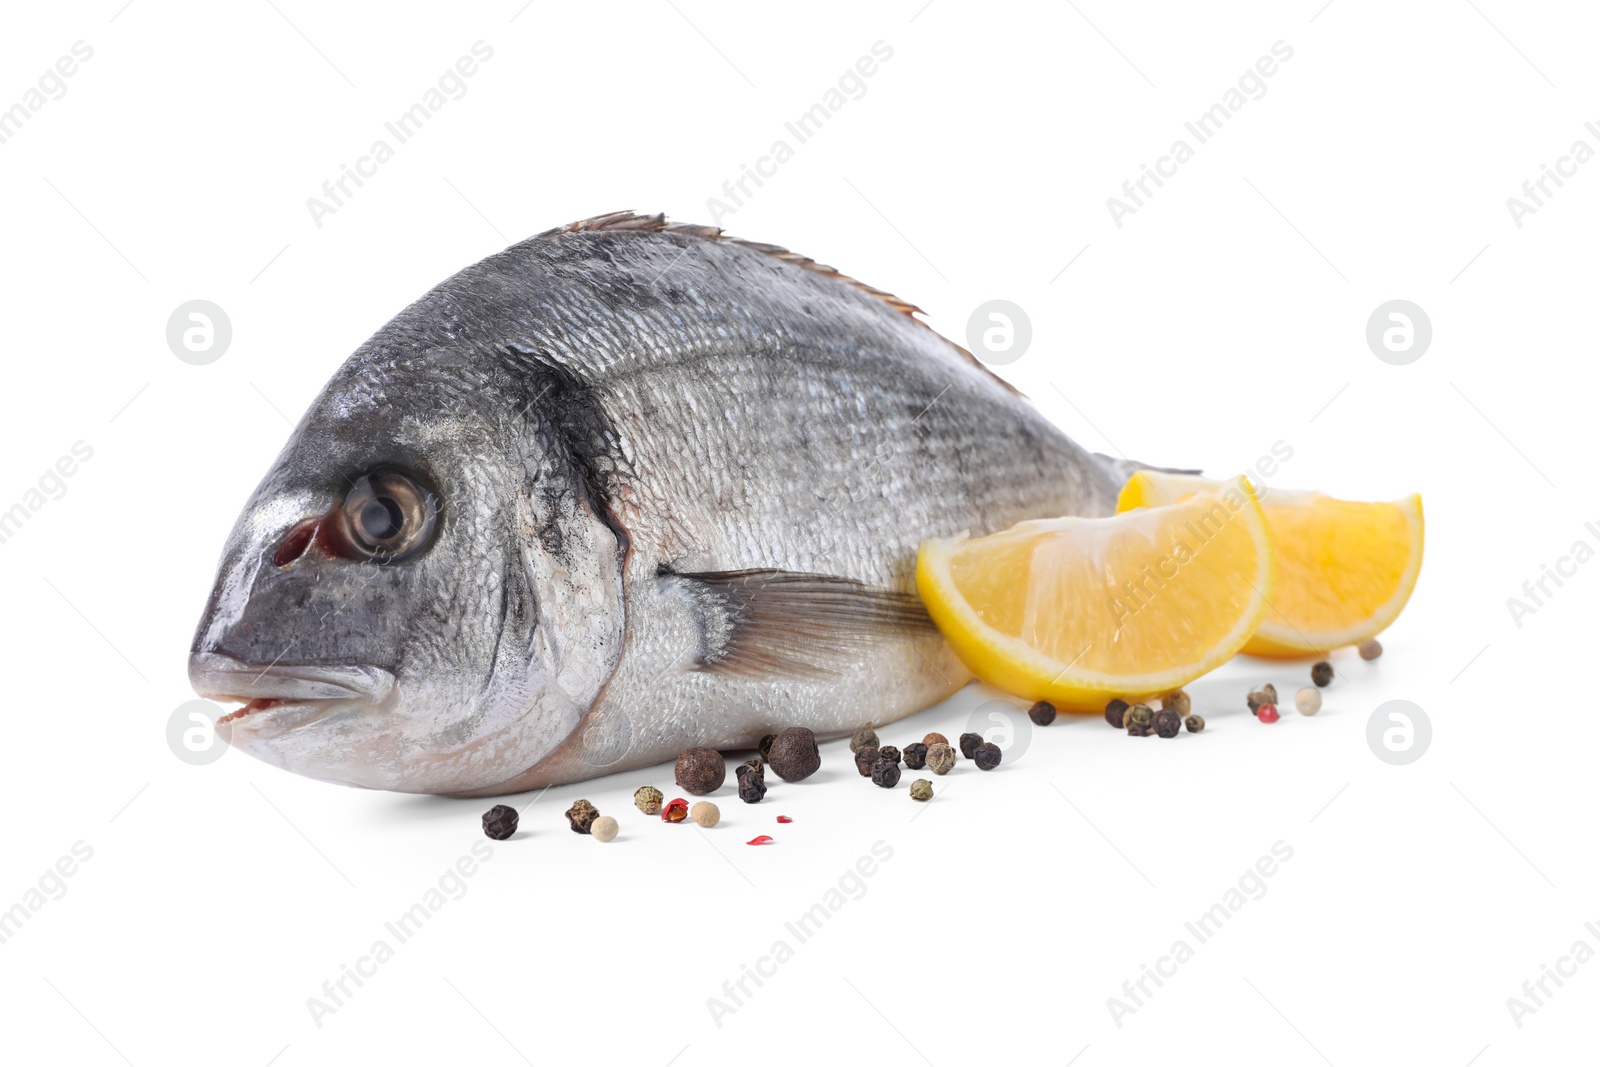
281 697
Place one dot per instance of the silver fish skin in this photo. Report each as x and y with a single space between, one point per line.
623 488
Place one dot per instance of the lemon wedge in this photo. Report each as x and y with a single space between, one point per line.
1079 610
1345 568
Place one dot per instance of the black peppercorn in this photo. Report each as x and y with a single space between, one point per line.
794 754
500 822
1043 713
890 753
970 743
582 815
916 756
1114 712
752 786
1166 723
986 756
754 766
765 748
886 774
865 759
701 770
1322 673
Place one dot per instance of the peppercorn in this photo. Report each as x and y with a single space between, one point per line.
1322 673
865 759
1256 699
864 737
921 789
935 739
706 814
1369 649
603 829
986 756
916 756
582 815
500 822
1178 701
1114 712
1139 713
765 747
647 798
1308 701
794 754
752 778
1042 713
970 743
886 774
1267 713
1166 723
1194 723
941 758
1271 693
700 770
890 753
1137 728
676 810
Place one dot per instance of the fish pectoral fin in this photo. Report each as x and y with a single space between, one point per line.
765 622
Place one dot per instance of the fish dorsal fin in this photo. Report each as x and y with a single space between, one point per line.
616 221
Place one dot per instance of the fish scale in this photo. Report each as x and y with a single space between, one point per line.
689 474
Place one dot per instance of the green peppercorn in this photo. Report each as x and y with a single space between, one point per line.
1043 713
921 789
1115 711
1166 723
1138 729
1178 701
1139 713
647 798
1322 673
864 737
1194 724
941 758
581 816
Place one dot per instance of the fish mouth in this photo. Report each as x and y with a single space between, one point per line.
281 697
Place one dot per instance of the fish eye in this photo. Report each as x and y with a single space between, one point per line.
387 515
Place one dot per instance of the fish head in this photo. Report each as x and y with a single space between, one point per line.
423 594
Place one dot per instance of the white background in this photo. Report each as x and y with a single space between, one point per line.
1227 314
